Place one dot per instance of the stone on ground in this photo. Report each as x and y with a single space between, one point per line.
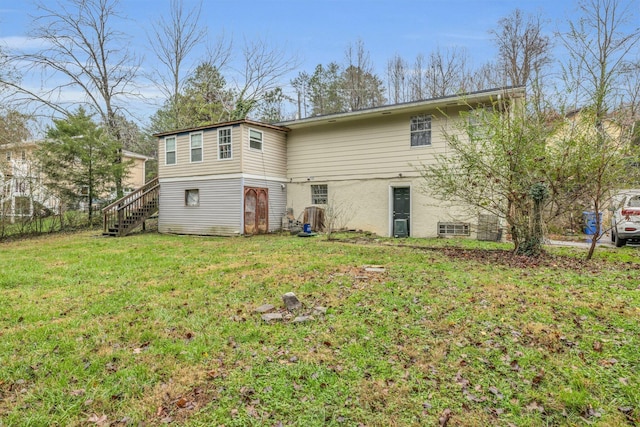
291 301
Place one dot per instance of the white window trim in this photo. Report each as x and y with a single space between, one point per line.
201 147
261 142
230 129
326 194
430 144
175 150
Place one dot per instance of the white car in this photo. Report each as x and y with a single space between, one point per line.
625 222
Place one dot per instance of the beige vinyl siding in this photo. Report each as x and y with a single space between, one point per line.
277 200
219 212
272 160
210 164
135 173
375 147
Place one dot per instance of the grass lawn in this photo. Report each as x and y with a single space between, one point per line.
163 330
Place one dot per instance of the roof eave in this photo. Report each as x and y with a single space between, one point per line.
221 125
433 103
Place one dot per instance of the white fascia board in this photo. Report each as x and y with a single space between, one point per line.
222 176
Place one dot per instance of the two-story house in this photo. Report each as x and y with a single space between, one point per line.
241 177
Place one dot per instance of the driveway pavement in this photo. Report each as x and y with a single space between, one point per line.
604 241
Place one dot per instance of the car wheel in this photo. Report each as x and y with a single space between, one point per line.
618 241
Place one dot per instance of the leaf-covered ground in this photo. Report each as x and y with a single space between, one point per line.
160 329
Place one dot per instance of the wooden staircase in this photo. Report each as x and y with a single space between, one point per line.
124 215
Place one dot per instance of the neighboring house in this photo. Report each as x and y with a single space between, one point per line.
136 172
23 192
241 177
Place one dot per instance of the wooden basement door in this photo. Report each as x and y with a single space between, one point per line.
256 210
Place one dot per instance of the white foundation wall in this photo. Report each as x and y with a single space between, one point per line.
368 205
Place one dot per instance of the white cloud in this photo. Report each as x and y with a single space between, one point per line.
22 43
475 36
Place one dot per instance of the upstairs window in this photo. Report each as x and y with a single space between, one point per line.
255 139
479 119
319 194
224 144
420 130
196 147
170 150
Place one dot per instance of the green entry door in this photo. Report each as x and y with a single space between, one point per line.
401 210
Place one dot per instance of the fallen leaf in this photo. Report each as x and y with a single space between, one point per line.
472 397
95 419
607 362
535 406
78 392
445 417
597 346
251 411
538 378
494 390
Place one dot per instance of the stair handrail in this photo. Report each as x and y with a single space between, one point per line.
153 183
129 203
114 212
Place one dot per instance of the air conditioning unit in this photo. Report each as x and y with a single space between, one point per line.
400 228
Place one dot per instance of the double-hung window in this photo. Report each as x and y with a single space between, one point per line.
170 150
319 194
420 130
224 144
255 139
479 118
196 147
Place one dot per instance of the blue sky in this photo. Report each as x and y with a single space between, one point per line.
318 31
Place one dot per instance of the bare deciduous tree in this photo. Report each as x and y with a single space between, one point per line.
599 43
81 51
263 67
446 72
398 80
362 88
14 127
172 40
416 79
523 52
487 76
